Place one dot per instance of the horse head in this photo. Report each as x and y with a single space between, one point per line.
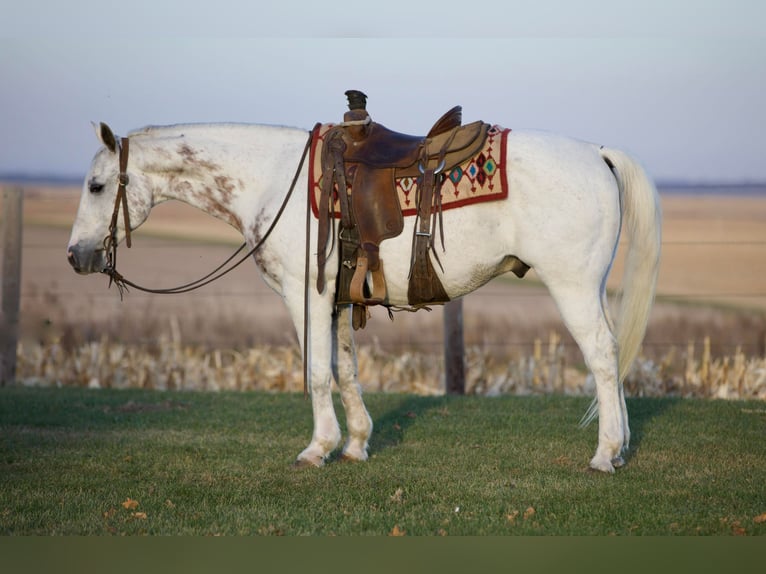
91 234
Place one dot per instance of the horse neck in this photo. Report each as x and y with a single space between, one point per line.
216 168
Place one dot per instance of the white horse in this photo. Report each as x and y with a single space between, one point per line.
567 203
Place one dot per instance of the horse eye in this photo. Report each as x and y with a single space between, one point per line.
95 187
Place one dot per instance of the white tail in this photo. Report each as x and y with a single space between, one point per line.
642 223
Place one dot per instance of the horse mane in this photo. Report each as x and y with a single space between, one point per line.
181 129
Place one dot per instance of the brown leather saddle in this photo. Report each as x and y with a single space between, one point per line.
361 161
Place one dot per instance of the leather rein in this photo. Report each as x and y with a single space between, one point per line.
121 201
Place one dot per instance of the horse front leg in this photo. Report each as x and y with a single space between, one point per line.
346 373
326 435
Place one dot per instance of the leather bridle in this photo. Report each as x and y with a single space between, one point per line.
121 201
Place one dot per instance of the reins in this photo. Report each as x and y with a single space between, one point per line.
121 201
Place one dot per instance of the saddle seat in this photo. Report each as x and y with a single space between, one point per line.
378 147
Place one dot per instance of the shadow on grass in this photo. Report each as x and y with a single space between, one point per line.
389 428
391 425
642 412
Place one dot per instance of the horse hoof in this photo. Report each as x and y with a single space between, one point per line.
301 463
347 458
602 466
618 461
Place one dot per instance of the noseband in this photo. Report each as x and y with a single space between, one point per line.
121 201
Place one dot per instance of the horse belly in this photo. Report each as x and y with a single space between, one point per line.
476 249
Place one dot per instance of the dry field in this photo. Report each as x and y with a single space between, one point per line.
712 288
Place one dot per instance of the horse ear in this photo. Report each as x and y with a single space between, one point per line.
105 135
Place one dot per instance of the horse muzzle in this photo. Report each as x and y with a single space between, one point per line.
86 259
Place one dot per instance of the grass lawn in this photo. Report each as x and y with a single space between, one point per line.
75 461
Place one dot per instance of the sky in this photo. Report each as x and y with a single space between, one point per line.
680 84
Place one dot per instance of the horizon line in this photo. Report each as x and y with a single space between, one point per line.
21 178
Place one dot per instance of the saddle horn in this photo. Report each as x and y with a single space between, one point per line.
356 100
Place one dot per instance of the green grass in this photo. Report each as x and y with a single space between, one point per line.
199 463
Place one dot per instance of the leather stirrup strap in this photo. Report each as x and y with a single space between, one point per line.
422 239
333 177
358 317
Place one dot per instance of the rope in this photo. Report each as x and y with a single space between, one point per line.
365 122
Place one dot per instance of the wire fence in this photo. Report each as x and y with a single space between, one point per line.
739 311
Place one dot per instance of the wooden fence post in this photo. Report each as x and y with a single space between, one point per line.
454 348
11 283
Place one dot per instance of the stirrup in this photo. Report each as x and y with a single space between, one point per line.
359 282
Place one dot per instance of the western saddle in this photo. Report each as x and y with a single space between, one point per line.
371 157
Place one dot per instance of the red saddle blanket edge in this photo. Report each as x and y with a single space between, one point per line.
482 178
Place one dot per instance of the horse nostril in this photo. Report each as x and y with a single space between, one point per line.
72 258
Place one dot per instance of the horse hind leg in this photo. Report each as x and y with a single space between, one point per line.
580 305
623 406
345 370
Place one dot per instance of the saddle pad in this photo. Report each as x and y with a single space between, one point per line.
482 178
